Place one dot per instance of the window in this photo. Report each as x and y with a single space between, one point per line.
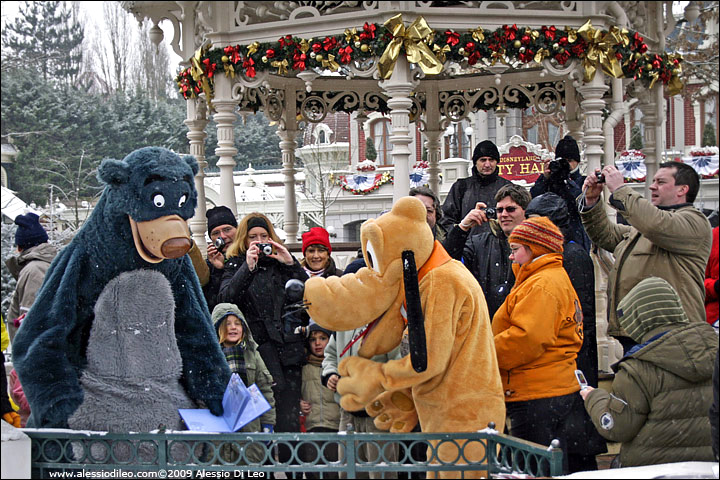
380 133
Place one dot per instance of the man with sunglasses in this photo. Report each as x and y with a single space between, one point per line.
486 254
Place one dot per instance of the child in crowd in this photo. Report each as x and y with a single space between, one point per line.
243 358
322 413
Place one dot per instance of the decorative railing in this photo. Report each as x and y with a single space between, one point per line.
68 454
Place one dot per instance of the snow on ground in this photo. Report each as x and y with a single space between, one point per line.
664 470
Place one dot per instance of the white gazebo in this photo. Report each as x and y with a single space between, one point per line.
432 63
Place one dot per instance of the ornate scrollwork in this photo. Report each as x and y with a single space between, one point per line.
313 109
455 107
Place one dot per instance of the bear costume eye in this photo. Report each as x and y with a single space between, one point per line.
182 201
159 200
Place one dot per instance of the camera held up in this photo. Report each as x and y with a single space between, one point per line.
219 244
490 213
600 177
265 249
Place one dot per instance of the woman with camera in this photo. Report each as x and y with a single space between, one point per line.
254 278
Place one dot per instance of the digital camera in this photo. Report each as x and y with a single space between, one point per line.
219 244
600 177
265 248
490 213
559 168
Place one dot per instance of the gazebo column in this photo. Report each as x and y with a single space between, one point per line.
225 117
196 122
652 134
287 147
398 88
433 136
592 107
573 118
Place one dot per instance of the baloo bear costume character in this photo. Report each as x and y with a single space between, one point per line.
455 386
138 224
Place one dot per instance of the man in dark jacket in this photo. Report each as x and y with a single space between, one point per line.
221 225
584 442
29 267
481 186
487 254
562 177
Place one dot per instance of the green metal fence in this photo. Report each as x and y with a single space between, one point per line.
72 454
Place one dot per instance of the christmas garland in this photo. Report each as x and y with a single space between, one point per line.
360 184
618 52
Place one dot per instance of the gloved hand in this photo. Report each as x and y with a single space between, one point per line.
215 406
12 418
394 411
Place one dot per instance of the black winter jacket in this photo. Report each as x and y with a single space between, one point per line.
260 295
465 193
569 192
486 255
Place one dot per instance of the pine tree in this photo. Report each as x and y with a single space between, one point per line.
370 152
46 37
708 138
636 142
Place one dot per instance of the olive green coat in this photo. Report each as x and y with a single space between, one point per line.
673 244
658 407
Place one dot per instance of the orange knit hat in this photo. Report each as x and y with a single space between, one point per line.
539 234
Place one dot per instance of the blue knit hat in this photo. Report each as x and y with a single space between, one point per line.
29 232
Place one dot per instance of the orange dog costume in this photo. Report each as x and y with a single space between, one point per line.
460 388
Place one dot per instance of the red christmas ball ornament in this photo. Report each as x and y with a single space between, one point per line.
270 53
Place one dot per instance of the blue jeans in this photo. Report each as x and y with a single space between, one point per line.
542 420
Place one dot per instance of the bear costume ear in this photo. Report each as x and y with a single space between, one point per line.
192 162
114 172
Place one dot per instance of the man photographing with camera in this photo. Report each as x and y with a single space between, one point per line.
487 253
667 237
562 177
222 227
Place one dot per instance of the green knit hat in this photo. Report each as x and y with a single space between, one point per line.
650 304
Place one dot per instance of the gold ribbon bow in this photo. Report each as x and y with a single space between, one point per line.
600 51
478 34
675 85
252 48
229 70
541 55
411 39
351 36
331 63
198 74
441 51
282 66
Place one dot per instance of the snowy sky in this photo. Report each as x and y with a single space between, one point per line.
93 12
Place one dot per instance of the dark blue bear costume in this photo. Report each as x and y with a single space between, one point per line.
148 194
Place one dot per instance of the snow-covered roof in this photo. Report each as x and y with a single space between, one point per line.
12 206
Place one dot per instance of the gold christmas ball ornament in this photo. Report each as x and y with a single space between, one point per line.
319 57
364 47
225 59
517 44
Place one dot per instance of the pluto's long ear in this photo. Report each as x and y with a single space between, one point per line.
415 316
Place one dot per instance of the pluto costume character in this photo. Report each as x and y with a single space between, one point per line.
450 381
136 233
